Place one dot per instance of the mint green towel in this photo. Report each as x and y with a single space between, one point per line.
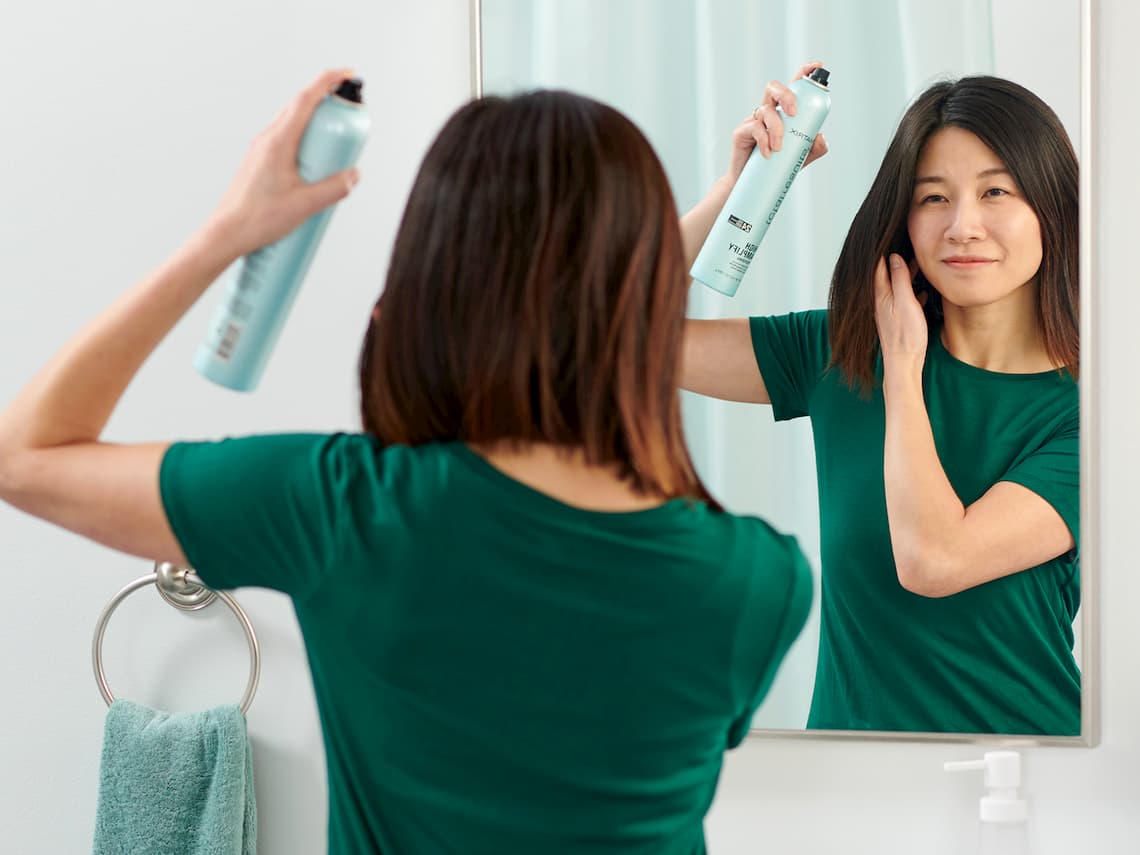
175 783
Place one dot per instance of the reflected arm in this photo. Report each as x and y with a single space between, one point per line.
698 222
717 358
718 361
940 546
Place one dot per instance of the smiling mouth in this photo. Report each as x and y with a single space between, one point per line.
967 262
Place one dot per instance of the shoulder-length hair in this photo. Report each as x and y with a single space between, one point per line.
536 293
1025 133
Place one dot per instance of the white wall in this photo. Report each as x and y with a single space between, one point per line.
119 130
121 124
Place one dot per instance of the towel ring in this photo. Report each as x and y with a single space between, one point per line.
183 589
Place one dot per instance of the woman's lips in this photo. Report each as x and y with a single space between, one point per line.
966 262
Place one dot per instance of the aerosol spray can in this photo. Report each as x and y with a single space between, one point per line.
264 283
760 190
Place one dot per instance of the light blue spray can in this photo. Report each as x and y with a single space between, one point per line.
264 284
760 190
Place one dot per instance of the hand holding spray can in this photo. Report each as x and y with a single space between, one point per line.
759 191
265 283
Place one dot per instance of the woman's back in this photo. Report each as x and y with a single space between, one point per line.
498 671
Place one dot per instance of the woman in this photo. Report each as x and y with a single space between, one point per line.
941 386
530 628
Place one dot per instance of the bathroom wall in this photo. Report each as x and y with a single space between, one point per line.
122 123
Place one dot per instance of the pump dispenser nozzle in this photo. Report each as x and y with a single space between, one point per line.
1003 776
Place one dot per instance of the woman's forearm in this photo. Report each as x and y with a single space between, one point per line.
698 222
923 509
73 396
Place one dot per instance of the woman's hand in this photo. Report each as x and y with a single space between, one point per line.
267 198
764 129
899 315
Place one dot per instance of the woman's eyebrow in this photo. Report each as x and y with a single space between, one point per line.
938 179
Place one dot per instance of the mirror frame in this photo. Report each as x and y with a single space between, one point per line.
1090 458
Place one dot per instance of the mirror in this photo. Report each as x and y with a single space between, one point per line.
688 72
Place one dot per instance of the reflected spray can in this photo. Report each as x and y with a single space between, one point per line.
760 190
263 285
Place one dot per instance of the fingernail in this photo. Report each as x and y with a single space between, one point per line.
896 261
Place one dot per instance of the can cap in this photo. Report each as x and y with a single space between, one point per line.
350 90
820 76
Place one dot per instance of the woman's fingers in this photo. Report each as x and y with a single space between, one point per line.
882 281
894 287
899 315
769 130
320 194
306 101
268 197
764 119
763 130
806 69
818 149
900 276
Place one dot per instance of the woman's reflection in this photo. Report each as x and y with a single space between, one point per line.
941 387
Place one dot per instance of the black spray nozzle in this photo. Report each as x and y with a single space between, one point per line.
350 90
820 76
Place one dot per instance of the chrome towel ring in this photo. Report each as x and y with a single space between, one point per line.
183 589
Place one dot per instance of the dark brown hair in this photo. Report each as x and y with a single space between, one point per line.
536 293
1025 133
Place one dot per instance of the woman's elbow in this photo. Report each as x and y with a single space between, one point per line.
17 474
8 470
927 573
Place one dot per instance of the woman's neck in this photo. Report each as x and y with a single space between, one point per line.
1004 337
562 473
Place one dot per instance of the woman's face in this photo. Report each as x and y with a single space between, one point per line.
975 237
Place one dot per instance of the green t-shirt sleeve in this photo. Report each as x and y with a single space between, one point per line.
768 632
1053 471
259 511
792 352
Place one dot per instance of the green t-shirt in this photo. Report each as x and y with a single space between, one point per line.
496 671
996 658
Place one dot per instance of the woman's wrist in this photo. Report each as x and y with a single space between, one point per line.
721 188
221 239
902 374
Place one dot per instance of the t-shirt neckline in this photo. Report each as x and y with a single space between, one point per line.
939 350
531 496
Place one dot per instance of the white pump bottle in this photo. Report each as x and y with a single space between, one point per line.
1002 811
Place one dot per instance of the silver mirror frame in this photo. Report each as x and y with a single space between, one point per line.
1090 457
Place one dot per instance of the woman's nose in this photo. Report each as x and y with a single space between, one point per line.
966 223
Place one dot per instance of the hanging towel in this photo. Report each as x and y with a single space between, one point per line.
175 783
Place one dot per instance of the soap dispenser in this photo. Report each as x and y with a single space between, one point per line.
1002 811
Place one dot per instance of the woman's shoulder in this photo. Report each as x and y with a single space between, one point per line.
809 321
751 542
773 573
340 458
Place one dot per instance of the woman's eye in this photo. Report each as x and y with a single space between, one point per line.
933 197
996 191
